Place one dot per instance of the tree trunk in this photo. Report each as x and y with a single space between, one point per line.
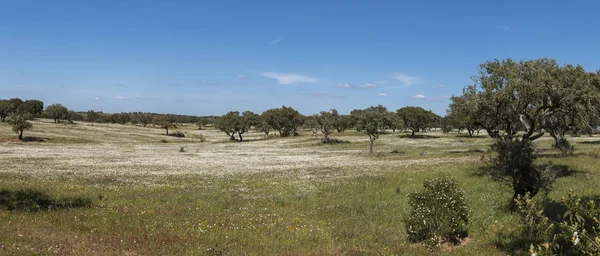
241 139
470 133
413 134
371 146
167 129
20 134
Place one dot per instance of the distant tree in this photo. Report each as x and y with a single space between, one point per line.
462 114
228 123
123 118
92 116
165 122
394 121
144 118
263 126
372 121
446 124
14 104
33 107
248 120
19 123
74 116
4 109
312 124
57 112
285 120
434 120
415 118
326 121
342 123
232 123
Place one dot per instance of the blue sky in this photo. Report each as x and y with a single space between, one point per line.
210 57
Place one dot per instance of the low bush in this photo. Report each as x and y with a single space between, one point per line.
439 214
576 233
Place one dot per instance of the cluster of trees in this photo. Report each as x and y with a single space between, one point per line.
142 118
518 102
17 112
286 121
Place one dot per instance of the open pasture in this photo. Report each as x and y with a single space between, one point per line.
129 190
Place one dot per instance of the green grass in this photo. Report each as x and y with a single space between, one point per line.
281 196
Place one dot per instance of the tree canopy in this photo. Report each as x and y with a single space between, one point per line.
373 121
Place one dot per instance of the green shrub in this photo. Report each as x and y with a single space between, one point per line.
512 164
577 232
439 213
177 134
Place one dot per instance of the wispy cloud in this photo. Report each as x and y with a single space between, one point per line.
382 95
361 86
327 94
506 28
289 78
97 98
275 41
441 86
119 97
423 97
405 79
120 85
240 76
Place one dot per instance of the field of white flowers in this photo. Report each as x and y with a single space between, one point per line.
153 194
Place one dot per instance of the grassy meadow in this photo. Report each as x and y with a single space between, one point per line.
128 190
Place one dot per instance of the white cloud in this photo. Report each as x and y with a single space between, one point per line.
366 86
97 98
362 86
422 97
289 78
242 76
506 28
440 86
276 41
406 79
119 97
382 95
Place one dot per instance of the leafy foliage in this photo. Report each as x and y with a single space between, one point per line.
415 118
285 120
19 123
57 112
232 123
373 121
439 213
576 233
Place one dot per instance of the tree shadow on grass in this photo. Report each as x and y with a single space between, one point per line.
34 201
418 136
595 142
471 137
34 139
